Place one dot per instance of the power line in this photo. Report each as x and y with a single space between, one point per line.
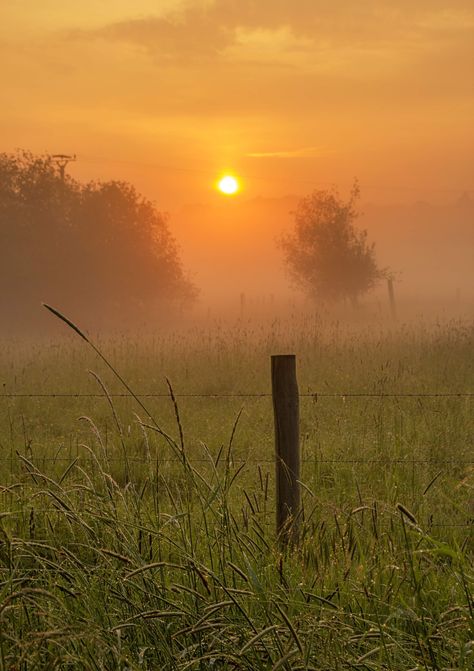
314 182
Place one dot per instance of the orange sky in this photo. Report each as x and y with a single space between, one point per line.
292 94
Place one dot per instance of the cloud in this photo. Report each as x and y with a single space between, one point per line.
304 152
182 36
209 30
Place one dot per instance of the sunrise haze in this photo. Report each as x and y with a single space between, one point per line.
288 96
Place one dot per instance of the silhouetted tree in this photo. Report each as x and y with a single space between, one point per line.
326 255
96 249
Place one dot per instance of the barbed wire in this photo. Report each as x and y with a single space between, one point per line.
314 395
268 513
155 460
252 462
469 524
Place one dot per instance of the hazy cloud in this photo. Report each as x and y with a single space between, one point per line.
303 152
179 35
203 30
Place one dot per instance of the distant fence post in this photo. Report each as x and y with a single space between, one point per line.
242 305
287 447
391 298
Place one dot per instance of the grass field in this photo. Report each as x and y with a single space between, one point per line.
143 538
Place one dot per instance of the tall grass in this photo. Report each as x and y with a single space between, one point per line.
127 547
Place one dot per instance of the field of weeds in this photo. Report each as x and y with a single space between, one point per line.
137 529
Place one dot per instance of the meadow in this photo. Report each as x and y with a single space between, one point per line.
137 531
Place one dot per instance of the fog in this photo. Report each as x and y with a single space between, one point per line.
107 256
289 96
231 248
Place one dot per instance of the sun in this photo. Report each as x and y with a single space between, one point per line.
228 185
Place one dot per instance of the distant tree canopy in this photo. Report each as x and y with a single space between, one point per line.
326 255
95 249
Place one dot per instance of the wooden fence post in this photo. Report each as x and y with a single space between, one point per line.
391 298
287 447
242 305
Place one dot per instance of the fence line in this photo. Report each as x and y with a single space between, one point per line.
253 462
47 511
314 395
286 459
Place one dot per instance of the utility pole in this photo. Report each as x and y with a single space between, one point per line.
61 161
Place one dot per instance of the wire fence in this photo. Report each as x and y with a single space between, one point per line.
254 462
409 461
240 462
268 513
314 395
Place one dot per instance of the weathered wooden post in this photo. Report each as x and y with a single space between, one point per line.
242 305
287 447
391 298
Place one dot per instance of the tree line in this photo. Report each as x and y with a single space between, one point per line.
101 250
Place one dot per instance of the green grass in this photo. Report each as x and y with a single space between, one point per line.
125 547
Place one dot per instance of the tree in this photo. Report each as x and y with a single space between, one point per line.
326 255
98 250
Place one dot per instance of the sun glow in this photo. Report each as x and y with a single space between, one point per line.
228 185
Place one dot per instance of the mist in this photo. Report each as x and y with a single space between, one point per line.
229 252
232 249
